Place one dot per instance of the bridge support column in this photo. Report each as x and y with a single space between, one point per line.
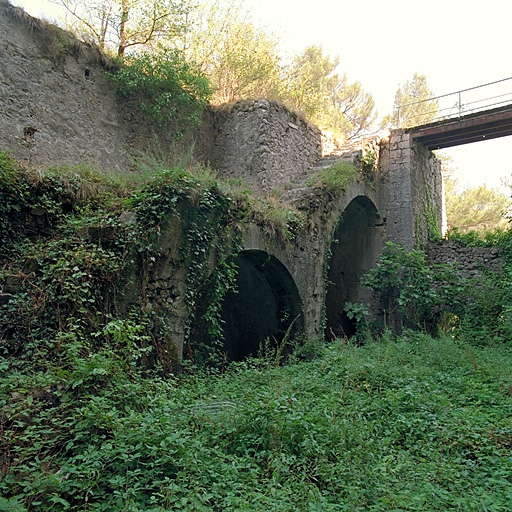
412 191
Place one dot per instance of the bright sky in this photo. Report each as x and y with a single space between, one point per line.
457 44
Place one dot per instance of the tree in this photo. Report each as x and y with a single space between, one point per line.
413 104
353 109
313 89
240 59
478 209
123 24
308 81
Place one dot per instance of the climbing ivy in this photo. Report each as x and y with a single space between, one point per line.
430 213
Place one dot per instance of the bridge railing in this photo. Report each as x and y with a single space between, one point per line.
455 104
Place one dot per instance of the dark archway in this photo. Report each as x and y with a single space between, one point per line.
266 304
356 249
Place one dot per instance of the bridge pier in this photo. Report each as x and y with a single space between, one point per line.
411 190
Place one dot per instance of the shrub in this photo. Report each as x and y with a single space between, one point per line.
336 177
167 89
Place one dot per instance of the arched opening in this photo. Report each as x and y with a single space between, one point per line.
356 248
266 305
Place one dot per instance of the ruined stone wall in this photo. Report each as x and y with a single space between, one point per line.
57 105
471 260
263 143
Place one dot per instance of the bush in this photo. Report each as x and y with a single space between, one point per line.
167 89
336 177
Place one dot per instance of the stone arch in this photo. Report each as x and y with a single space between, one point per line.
266 304
356 247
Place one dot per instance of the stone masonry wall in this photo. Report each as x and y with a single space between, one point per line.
57 105
471 260
264 143
411 189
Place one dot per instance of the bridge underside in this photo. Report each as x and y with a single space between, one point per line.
476 127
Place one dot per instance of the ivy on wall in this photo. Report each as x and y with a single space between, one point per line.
89 266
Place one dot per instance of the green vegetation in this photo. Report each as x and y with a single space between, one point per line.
479 209
408 424
476 211
93 417
437 297
69 257
240 59
336 177
165 87
312 88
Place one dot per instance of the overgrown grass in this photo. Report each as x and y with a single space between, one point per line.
336 177
408 424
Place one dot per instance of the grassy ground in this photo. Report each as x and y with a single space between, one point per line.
413 424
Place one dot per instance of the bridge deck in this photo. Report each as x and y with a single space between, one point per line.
475 127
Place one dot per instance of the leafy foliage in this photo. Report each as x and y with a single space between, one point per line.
351 429
239 58
479 209
405 282
74 273
414 294
167 88
90 421
413 104
326 98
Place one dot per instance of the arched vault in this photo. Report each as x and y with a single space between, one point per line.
265 306
356 247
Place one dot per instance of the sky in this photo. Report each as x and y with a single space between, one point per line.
456 44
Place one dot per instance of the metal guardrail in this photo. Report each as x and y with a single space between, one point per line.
460 103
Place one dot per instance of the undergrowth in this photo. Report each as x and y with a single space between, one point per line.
408 424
